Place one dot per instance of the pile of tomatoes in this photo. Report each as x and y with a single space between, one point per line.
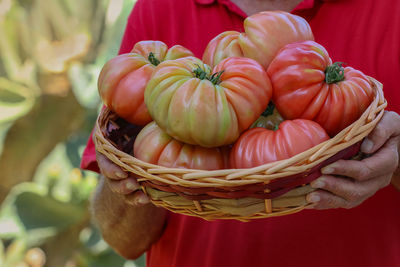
259 96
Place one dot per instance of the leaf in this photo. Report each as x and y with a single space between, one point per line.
15 252
114 11
84 84
91 238
57 17
106 259
9 47
53 56
141 261
37 237
37 211
2 256
74 147
15 100
9 228
3 133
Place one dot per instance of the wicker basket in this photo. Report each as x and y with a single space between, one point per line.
273 189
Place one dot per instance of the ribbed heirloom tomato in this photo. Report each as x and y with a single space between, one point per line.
154 146
123 79
264 34
209 108
222 46
259 146
307 85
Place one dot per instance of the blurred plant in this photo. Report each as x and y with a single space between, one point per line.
47 220
51 52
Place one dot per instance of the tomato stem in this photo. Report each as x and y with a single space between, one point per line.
200 73
269 110
153 60
334 73
215 78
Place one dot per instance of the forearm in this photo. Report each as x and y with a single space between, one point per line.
130 230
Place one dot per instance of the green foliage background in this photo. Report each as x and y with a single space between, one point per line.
51 54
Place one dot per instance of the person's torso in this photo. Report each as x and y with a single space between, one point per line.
364 34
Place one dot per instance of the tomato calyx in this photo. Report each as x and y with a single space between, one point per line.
270 119
215 78
334 73
153 60
269 110
202 74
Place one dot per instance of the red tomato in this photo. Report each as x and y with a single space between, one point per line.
222 46
123 79
154 146
259 146
208 108
265 33
307 85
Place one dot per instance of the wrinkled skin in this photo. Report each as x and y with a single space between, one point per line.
265 34
348 183
123 79
300 90
154 146
197 111
259 146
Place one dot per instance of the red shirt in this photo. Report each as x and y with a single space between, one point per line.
363 33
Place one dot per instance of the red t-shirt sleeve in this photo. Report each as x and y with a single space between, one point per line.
135 31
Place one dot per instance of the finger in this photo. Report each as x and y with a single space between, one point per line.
383 162
321 200
124 187
138 198
388 126
109 169
352 191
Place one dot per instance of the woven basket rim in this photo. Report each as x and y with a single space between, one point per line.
179 181
379 103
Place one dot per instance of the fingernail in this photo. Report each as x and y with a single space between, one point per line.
327 170
121 174
314 198
367 145
131 186
143 200
319 183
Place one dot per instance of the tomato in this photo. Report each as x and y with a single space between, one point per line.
208 108
224 45
154 146
123 79
265 33
259 146
307 85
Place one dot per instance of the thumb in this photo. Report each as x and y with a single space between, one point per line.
109 169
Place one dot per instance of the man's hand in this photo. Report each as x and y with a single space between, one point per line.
127 223
347 183
120 182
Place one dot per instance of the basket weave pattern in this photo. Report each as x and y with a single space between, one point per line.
272 189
